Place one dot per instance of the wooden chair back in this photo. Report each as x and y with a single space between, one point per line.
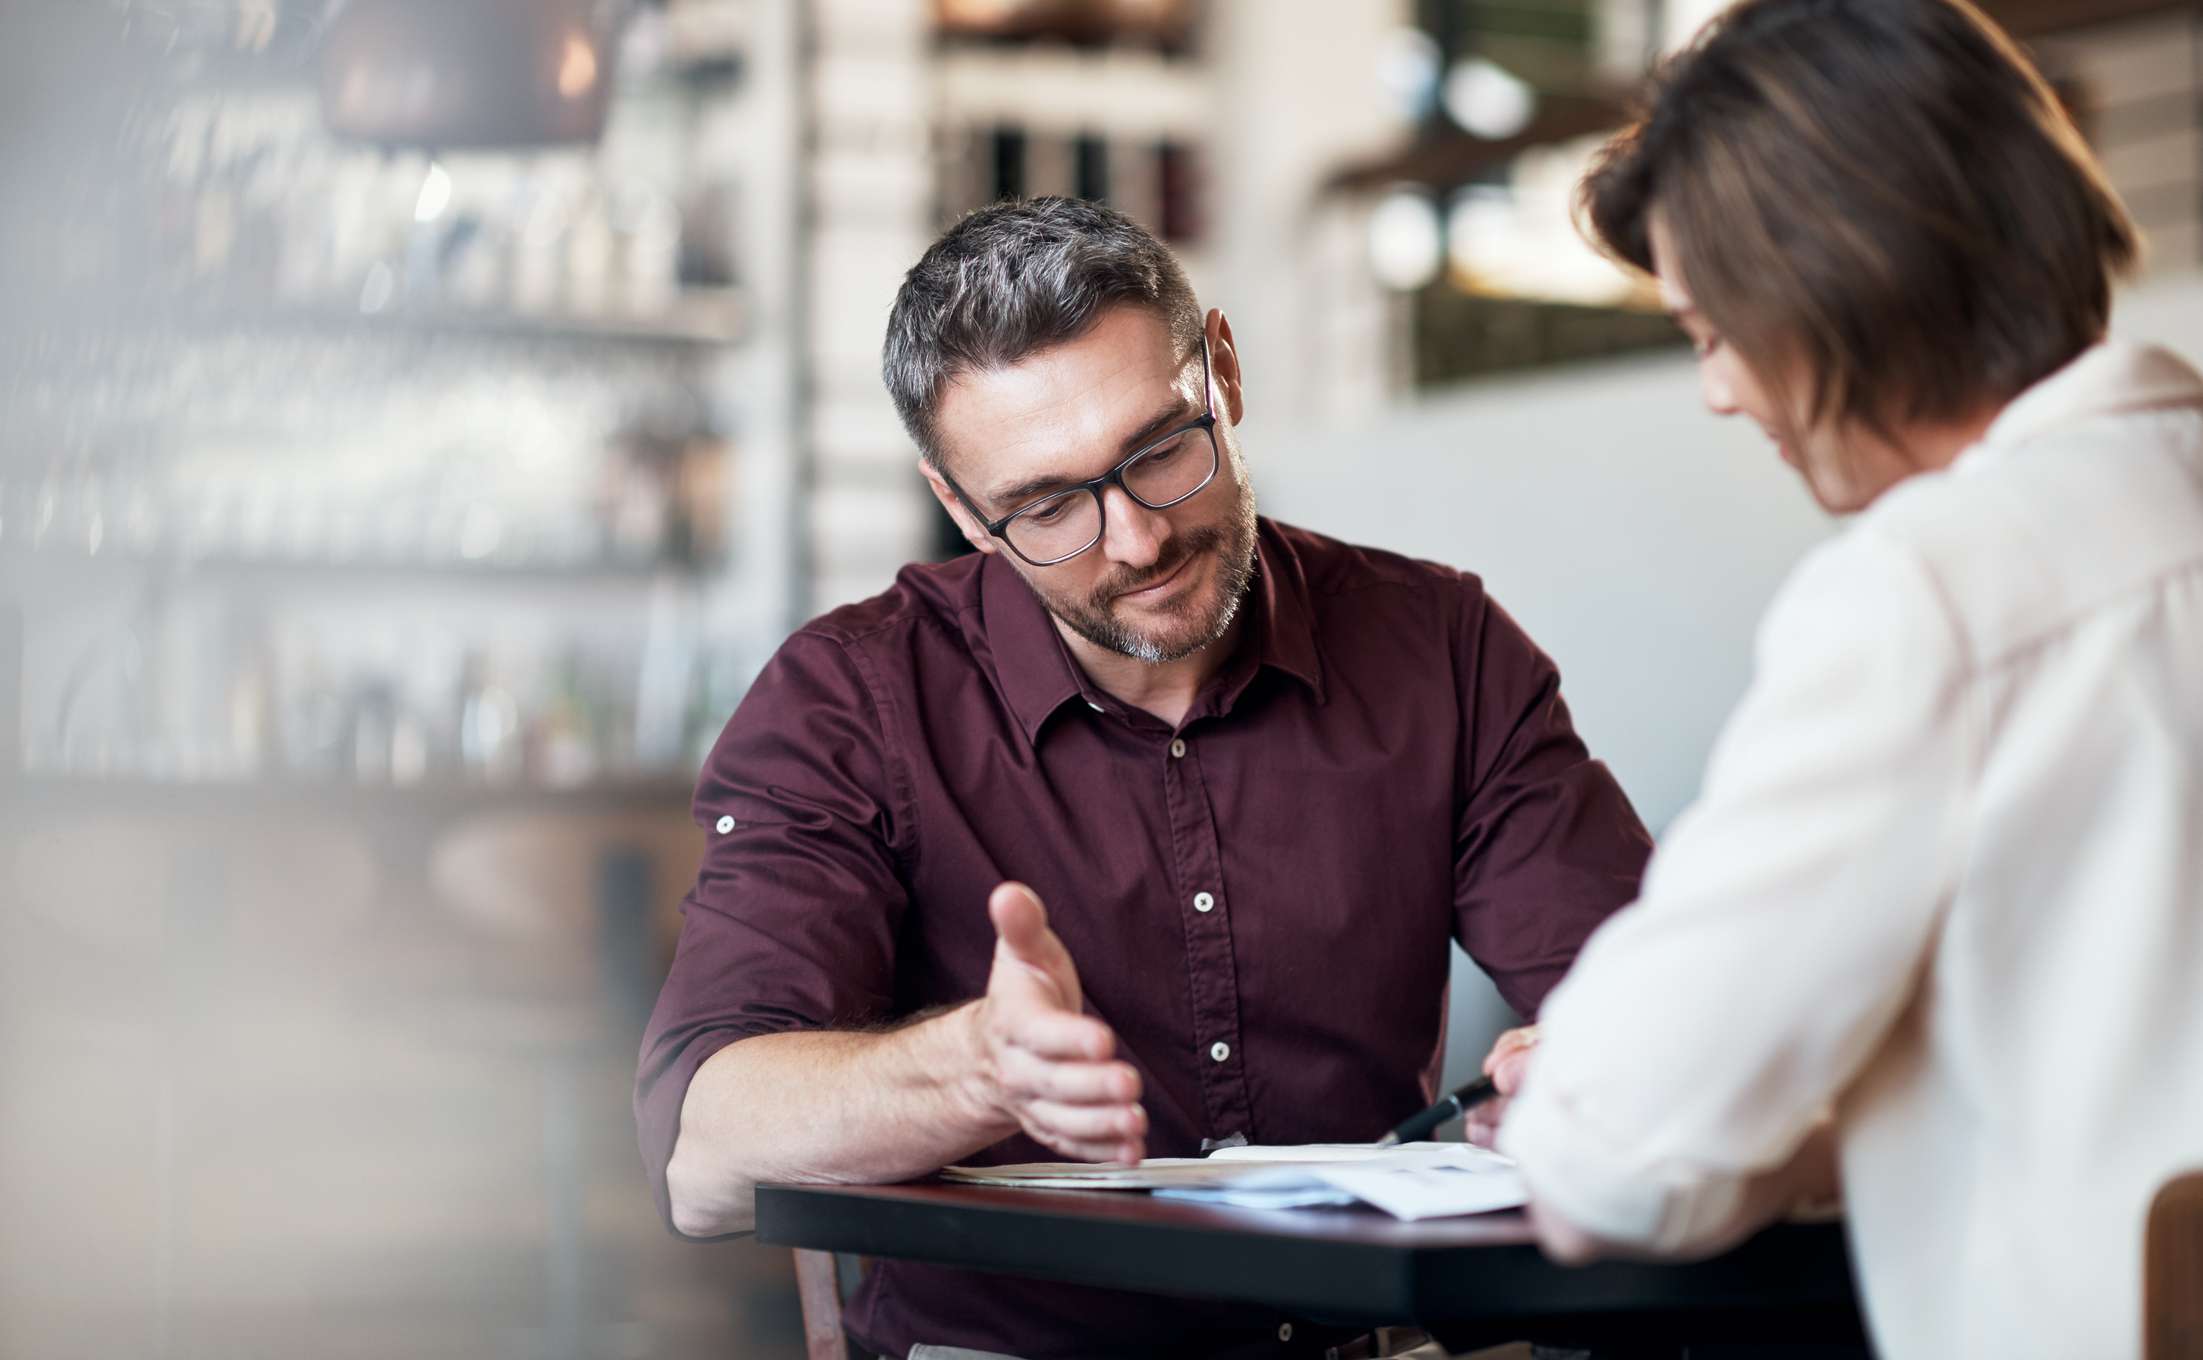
2172 1272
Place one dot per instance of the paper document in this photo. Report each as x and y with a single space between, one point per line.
1413 1180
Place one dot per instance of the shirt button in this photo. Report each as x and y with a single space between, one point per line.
726 824
1220 1050
1096 707
1285 1331
1203 902
1177 748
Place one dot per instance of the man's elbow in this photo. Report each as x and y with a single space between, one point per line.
702 1206
696 1220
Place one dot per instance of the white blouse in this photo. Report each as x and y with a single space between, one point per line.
1946 875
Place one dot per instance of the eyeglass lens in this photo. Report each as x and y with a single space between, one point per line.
1067 525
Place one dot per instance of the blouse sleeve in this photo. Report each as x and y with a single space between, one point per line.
1783 922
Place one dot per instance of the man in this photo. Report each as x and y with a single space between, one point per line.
1258 778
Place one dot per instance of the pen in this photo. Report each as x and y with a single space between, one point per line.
1416 1125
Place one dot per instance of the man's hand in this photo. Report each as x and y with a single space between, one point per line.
1046 1065
1506 1065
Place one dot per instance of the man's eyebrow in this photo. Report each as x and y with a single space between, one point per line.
1018 494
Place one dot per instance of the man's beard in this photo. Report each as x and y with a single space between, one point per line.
1232 543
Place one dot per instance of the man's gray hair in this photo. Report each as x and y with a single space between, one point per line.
1015 278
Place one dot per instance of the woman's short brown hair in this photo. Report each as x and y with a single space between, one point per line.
1881 197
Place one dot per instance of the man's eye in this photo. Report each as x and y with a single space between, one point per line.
1163 453
1049 513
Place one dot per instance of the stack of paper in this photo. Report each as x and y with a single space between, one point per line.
1413 1180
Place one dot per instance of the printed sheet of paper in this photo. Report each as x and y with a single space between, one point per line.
1414 1180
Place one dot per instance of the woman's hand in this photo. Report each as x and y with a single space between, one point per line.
1506 1065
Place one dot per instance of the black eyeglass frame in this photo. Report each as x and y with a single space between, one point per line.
1206 424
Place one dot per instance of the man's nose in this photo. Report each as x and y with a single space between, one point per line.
1132 534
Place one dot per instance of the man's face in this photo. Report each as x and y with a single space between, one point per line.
1161 584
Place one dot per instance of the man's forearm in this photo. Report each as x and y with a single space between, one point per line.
828 1107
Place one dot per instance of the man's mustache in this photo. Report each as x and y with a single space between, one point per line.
1197 543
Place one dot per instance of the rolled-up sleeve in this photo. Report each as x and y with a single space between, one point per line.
793 918
1546 845
1783 924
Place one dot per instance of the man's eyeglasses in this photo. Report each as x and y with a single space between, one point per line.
1063 524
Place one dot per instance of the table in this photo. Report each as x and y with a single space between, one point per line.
1469 1281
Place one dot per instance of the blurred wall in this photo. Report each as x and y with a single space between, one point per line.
1635 536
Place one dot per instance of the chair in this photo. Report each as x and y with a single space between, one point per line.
2172 1272
823 1280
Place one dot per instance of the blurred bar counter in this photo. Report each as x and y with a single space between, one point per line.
334 1069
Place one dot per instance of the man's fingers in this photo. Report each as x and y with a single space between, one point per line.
1084 1150
1029 1076
1089 1083
1072 1082
1060 1035
1087 1123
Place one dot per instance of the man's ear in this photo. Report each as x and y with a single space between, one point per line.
1231 395
974 532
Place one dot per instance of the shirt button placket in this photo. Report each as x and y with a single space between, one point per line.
1199 867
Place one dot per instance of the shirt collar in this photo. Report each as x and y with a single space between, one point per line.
2115 376
1030 663
1283 611
1038 676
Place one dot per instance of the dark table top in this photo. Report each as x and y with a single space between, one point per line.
1460 1277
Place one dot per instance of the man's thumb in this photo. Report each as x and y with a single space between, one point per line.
1020 922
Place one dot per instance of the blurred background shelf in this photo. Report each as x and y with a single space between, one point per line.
362 569
696 317
433 801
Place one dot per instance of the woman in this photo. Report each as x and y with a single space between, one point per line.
1941 898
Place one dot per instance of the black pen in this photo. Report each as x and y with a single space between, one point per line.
1416 1125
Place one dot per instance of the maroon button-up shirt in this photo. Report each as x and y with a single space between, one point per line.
1385 765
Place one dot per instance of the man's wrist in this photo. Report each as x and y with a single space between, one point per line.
974 1085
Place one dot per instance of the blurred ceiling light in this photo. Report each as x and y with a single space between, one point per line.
1407 68
1406 240
435 193
577 67
1487 100
1518 240
1480 229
